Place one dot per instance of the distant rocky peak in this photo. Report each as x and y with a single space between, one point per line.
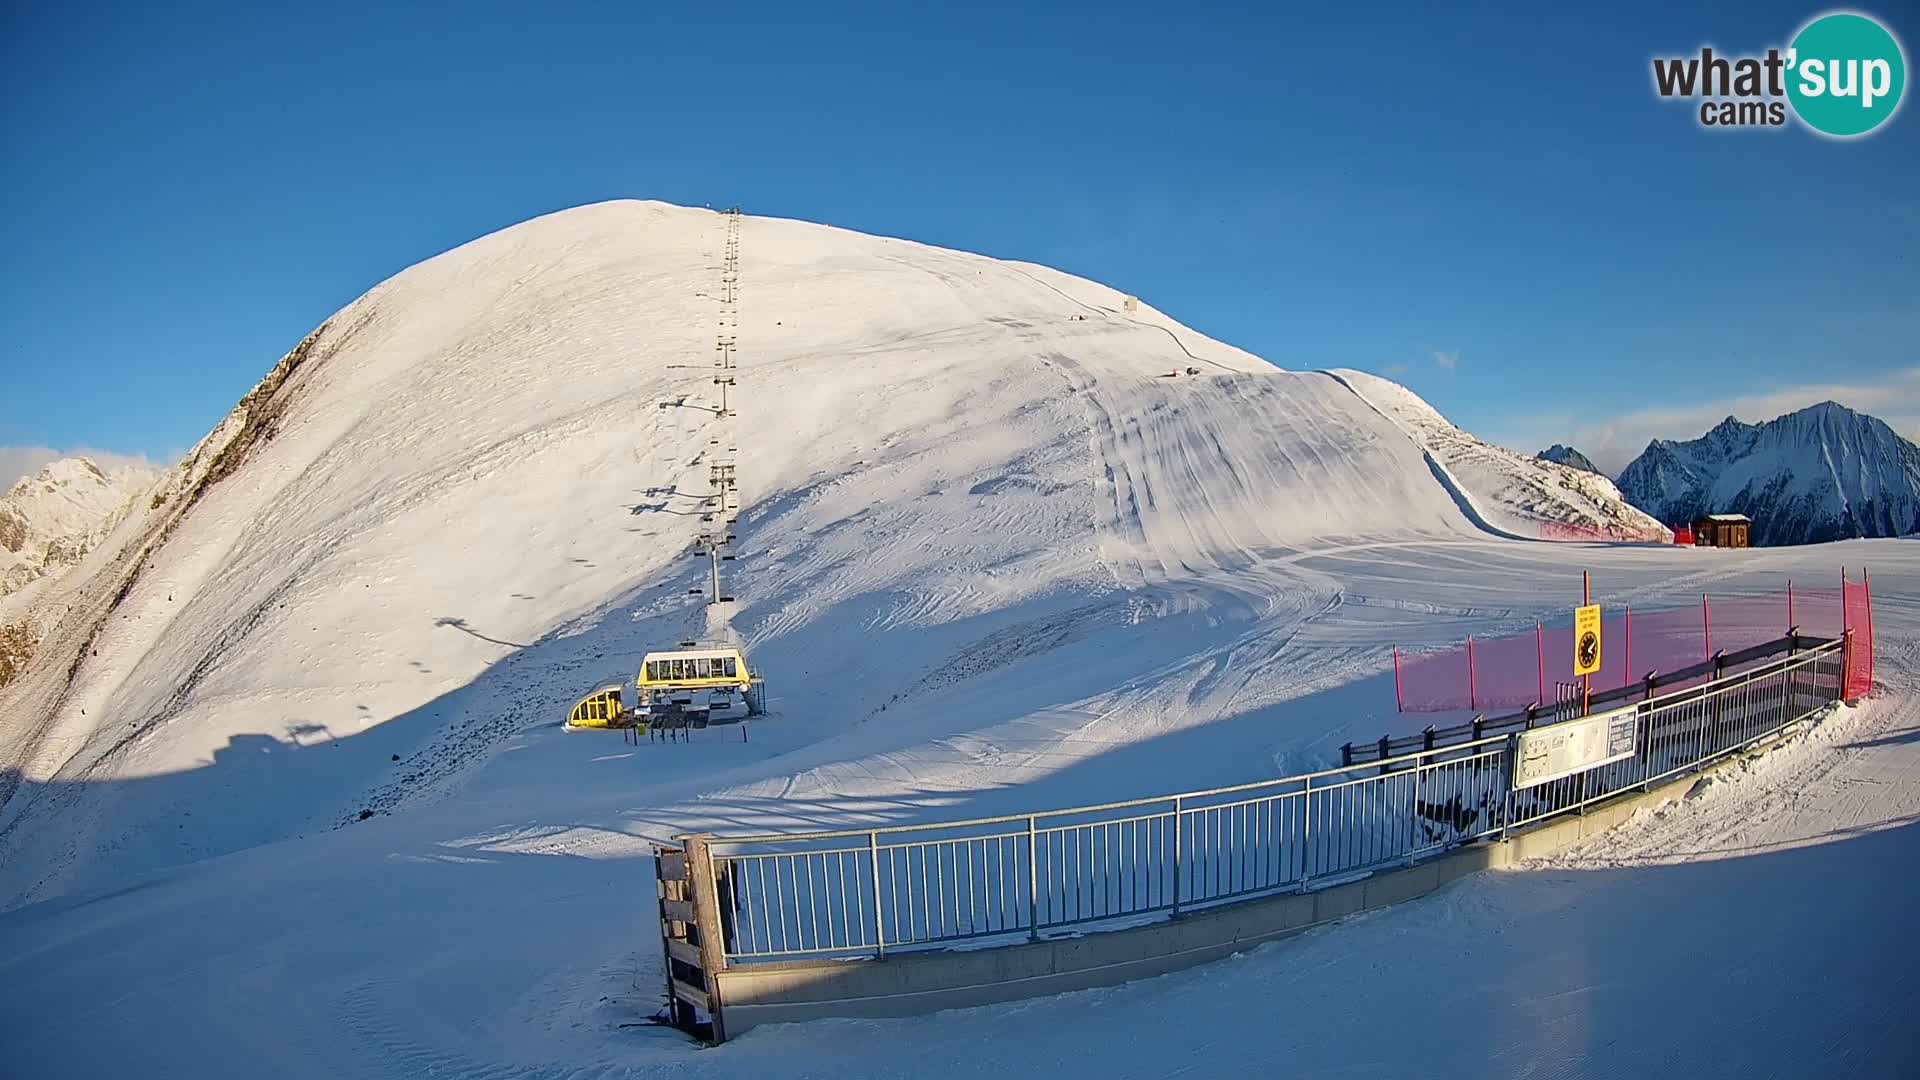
51 519
1561 454
1783 474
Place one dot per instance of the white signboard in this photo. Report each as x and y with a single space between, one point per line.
1557 750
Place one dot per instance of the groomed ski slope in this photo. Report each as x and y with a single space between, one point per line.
991 560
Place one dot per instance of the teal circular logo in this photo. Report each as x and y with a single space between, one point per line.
1845 74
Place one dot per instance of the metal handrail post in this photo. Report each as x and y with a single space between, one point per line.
1177 857
1033 884
1306 832
879 925
1506 767
1413 817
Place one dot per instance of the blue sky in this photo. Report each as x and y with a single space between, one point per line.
1494 209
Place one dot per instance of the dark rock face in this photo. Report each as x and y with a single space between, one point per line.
13 530
1568 456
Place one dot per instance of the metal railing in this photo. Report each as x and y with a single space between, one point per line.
1713 668
866 892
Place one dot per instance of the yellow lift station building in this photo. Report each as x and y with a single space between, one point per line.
693 669
666 681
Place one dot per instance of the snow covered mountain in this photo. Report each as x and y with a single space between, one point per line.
491 463
1568 456
1505 491
290 745
1823 473
50 520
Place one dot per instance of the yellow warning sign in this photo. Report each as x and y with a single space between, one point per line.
1586 639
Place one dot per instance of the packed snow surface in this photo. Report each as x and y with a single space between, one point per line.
993 557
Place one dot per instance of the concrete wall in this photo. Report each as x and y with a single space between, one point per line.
914 983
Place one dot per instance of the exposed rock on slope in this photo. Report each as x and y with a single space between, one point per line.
49 522
1568 456
54 626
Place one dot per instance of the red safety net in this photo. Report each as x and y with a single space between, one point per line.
1858 608
1515 671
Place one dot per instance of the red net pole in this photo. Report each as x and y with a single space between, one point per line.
1540 652
1866 590
1399 703
1586 681
1626 667
1706 625
1473 696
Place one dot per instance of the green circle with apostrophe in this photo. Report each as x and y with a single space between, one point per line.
1845 74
